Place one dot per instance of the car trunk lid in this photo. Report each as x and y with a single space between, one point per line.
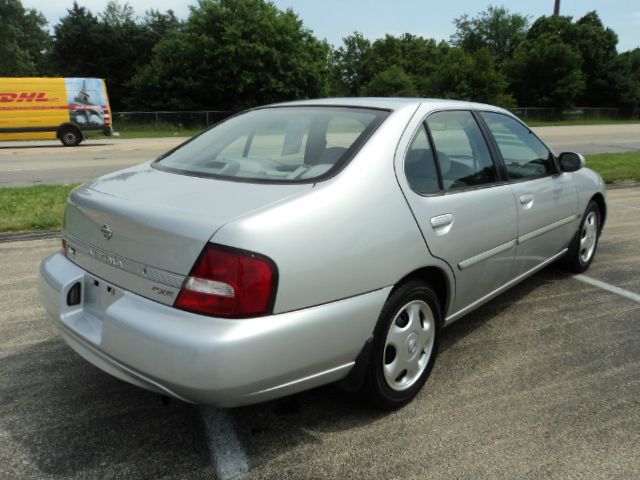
143 228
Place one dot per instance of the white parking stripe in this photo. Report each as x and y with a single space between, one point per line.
625 206
227 455
610 288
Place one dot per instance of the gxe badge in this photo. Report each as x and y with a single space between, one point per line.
106 231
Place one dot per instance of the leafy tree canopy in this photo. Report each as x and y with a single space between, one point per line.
392 82
545 71
23 40
233 54
495 28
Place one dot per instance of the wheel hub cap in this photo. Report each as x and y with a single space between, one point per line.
408 345
412 343
588 237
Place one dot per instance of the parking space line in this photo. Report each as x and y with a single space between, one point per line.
227 454
608 287
625 206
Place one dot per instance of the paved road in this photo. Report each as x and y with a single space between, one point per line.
27 163
588 139
542 383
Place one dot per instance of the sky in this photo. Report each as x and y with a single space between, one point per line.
335 19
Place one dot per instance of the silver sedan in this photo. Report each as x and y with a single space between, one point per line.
312 242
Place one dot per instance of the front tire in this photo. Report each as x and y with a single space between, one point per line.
584 245
405 346
70 136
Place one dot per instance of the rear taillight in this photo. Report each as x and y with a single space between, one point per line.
226 282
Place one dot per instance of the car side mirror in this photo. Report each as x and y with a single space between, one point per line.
570 161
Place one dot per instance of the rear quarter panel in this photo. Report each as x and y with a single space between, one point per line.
351 234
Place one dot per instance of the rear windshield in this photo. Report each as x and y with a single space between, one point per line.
279 144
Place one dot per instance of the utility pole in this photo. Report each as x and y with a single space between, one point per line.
556 9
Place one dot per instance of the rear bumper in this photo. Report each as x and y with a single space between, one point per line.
202 359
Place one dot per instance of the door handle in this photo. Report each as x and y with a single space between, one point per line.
442 223
526 199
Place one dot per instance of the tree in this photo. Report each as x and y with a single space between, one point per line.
495 29
411 65
467 76
600 64
414 54
157 25
392 82
23 40
560 26
626 79
605 75
112 45
78 44
545 72
348 64
125 50
233 54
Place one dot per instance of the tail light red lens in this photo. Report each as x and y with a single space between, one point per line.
226 282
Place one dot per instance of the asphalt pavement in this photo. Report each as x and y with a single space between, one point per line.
41 162
543 382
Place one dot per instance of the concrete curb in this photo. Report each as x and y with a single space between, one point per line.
614 186
32 235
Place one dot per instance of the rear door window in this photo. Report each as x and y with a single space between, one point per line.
420 165
461 150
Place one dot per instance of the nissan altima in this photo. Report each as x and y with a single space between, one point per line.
306 243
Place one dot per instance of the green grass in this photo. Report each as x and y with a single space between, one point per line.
583 121
157 133
32 208
148 133
616 167
41 207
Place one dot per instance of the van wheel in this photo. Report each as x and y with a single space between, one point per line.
405 346
70 136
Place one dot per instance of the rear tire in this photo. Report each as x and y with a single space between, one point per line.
70 136
405 346
584 244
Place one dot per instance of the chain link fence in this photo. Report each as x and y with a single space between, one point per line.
201 119
577 113
170 121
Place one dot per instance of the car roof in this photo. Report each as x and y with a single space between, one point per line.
393 103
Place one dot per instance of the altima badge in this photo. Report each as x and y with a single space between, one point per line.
106 231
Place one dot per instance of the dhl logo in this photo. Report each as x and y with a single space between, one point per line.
7 97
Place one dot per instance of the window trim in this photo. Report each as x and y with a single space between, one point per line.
496 162
440 191
554 160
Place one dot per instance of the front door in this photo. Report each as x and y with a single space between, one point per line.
546 200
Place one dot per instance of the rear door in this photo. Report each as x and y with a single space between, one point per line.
546 199
465 211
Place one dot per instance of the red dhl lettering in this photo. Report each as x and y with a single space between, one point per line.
8 97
